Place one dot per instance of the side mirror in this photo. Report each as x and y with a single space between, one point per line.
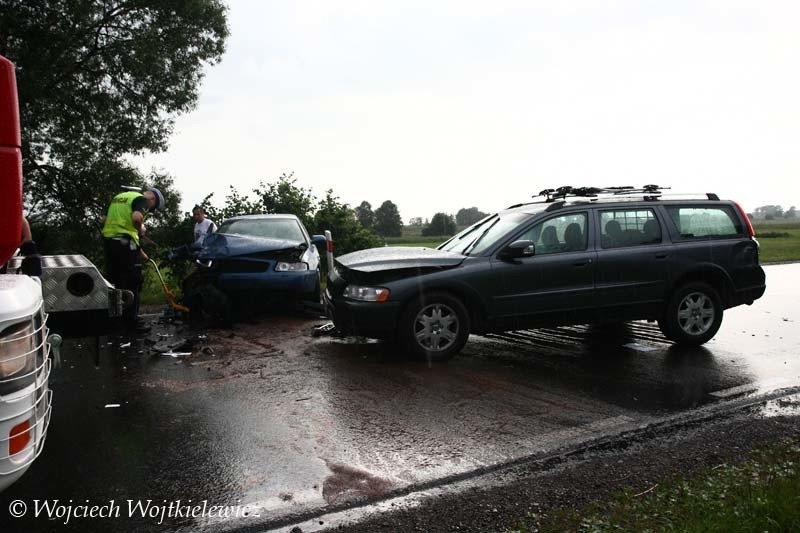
518 250
319 240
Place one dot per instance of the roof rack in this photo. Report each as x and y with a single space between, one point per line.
648 193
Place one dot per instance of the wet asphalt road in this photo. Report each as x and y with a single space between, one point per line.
291 426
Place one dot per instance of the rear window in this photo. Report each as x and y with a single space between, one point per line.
705 222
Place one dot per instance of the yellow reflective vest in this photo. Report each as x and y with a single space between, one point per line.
118 219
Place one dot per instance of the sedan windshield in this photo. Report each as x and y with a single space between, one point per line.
480 237
285 229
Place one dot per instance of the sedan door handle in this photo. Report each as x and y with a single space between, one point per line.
662 255
582 263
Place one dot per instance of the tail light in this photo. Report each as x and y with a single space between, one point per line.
746 218
19 438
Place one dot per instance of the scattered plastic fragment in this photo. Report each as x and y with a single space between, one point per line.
640 347
112 405
126 345
324 329
177 354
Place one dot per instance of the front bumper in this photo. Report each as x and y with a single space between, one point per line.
32 405
280 282
368 319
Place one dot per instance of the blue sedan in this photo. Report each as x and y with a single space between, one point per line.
255 258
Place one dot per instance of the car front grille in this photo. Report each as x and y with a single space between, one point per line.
244 266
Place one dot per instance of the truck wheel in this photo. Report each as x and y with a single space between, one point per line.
693 316
434 326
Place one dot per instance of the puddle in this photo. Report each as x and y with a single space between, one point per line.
349 484
786 406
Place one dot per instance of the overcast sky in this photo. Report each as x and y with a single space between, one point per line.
439 105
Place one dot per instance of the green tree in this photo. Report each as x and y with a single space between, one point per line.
387 220
365 215
769 212
285 196
469 216
235 204
348 233
98 81
441 224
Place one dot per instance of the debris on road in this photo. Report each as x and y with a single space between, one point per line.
177 354
640 347
328 328
170 346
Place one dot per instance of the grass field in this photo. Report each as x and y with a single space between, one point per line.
779 239
758 494
412 236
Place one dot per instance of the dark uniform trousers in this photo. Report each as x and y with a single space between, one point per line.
124 270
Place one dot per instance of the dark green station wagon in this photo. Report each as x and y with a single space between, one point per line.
576 256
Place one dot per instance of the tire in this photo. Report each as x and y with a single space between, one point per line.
207 301
693 315
434 327
315 296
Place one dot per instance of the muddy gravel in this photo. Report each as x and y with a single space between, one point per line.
574 482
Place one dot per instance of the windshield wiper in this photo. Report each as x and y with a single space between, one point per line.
477 239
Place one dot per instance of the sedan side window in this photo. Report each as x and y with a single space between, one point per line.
629 227
566 233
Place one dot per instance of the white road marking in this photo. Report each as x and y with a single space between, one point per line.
761 386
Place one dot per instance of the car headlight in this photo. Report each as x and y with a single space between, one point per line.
366 294
17 349
291 267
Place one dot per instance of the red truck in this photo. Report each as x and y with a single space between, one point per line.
25 399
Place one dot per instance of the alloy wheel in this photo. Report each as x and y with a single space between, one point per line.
436 327
696 313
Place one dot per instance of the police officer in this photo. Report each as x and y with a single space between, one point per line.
123 227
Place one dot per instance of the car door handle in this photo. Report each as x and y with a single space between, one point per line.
582 263
662 255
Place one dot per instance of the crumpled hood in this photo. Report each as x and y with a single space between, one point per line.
227 245
399 257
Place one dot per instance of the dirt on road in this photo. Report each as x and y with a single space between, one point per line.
535 491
